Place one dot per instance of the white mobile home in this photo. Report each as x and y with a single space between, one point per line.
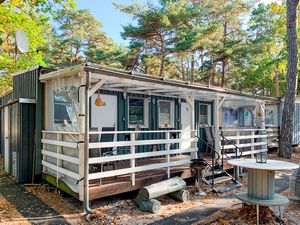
109 131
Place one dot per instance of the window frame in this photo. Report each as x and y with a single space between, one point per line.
64 104
208 107
172 114
145 113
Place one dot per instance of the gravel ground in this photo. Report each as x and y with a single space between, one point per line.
39 205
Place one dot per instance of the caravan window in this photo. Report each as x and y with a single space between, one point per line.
205 114
166 114
63 107
137 112
240 117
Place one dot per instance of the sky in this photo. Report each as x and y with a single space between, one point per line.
111 18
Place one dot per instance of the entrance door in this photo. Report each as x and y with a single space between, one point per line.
104 116
6 139
185 124
204 119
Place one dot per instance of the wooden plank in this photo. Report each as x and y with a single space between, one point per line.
245 145
136 143
125 186
234 130
61 170
59 132
60 143
141 131
61 156
137 169
138 155
246 137
96 87
247 152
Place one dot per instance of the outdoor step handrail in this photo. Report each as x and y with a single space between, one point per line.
237 149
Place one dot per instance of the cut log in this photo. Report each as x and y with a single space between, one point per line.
182 195
162 188
151 205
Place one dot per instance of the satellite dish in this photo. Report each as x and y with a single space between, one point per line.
22 41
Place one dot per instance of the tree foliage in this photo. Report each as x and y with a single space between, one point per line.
31 17
79 38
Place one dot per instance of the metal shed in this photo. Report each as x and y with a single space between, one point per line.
21 126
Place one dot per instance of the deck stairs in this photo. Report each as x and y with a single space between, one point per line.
218 178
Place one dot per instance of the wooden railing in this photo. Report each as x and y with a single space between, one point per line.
62 153
58 148
248 141
273 136
133 155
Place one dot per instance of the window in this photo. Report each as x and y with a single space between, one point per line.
137 112
204 114
166 114
63 108
240 117
269 114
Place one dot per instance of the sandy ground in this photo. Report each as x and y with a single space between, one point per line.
42 205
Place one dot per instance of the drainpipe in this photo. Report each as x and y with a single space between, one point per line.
86 202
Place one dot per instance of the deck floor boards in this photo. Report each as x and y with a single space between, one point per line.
120 184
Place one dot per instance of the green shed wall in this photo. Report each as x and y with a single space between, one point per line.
25 127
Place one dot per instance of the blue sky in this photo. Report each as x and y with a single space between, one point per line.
111 18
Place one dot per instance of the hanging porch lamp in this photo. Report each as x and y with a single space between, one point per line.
99 101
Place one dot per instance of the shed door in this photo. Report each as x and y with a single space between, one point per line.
104 116
6 139
185 124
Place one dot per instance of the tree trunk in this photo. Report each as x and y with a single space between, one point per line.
182 70
162 188
192 66
224 57
162 62
286 133
277 81
213 69
223 72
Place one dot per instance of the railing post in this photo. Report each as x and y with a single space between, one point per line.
132 161
252 144
44 147
168 152
58 161
193 145
237 152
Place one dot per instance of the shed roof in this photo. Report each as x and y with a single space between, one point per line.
123 80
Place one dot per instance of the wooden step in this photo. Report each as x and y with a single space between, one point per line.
216 172
222 179
229 187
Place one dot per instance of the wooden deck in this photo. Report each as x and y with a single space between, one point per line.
121 184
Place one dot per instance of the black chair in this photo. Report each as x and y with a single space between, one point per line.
109 151
98 152
210 140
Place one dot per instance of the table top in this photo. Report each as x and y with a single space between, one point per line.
270 165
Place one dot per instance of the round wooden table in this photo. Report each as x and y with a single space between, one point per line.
261 182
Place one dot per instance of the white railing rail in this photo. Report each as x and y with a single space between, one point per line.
56 142
53 143
249 141
132 155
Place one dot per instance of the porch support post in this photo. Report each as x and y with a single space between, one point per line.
191 104
86 201
81 134
216 114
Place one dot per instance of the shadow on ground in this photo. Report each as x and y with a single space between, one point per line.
29 206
